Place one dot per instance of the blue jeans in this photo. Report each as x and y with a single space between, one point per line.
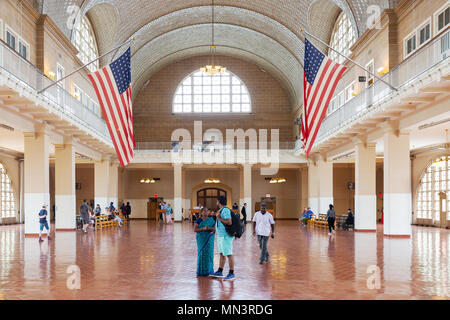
262 241
44 224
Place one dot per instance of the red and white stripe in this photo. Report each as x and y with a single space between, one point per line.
117 111
317 98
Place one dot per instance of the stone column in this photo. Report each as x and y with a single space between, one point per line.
365 189
246 185
325 176
101 182
303 174
36 178
65 197
313 187
177 191
113 190
397 184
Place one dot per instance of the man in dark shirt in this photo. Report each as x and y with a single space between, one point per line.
244 213
43 223
85 213
127 210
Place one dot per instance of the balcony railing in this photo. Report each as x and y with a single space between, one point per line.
28 75
204 147
433 53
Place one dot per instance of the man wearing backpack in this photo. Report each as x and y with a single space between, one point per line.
263 223
224 240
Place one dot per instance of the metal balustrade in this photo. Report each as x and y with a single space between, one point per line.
433 53
22 71
202 147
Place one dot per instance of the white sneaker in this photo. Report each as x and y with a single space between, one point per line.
329 234
334 231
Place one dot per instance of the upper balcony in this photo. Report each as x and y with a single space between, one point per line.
413 75
20 82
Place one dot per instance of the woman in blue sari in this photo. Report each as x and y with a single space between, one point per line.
205 229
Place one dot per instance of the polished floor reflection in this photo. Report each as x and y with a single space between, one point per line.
151 261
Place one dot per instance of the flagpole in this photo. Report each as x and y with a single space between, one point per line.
80 68
353 61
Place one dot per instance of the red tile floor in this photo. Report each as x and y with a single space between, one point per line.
150 261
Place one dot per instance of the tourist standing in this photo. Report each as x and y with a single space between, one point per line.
244 213
205 228
224 240
263 224
169 212
43 223
128 211
98 210
84 213
331 217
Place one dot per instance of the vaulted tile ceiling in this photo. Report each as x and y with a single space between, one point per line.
265 32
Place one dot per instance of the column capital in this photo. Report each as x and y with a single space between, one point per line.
39 130
360 139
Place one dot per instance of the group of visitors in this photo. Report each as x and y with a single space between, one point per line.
88 215
307 215
331 218
207 226
169 211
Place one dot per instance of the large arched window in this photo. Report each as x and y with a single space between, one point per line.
433 197
7 204
203 93
84 40
342 39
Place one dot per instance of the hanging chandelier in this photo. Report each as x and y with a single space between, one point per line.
212 69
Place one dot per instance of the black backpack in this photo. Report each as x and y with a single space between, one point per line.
236 229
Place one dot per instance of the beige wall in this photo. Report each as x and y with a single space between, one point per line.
48 45
84 174
22 20
155 122
343 197
287 194
415 15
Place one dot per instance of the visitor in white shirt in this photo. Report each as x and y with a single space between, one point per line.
263 224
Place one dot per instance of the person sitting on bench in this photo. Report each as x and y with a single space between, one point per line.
307 215
114 216
350 221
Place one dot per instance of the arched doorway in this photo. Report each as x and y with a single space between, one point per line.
433 194
207 197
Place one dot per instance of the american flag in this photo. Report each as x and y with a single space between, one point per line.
320 80
112 85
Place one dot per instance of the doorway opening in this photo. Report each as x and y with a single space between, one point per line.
207 197
152 206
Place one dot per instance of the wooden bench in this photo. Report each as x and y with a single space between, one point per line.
320 222
103 222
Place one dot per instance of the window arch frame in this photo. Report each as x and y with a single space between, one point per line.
78 30
5 179
193 93
346 51
433 193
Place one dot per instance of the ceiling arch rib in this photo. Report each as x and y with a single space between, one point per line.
225 15
104 14
291 14
247 44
